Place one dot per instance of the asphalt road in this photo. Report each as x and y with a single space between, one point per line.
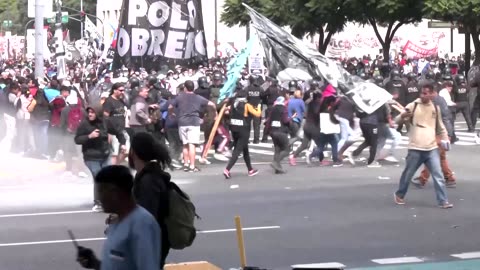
309 215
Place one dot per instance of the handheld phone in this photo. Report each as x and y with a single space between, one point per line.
74 241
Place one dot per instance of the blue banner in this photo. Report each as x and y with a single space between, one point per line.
234 68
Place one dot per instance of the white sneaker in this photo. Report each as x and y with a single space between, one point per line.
204 161
477 139
374 164
350 158
391 159
82 175
227 154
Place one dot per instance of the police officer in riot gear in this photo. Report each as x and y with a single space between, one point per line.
413 89
217 84
268 98
314 86
254 92
460 95
203 88
397 87
379 80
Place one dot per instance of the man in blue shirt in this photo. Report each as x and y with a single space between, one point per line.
133 242
296 105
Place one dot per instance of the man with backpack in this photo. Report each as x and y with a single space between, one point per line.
154 191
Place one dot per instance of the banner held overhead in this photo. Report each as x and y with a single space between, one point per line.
153 33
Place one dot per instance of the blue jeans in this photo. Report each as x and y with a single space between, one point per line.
95 166
345 131
414 160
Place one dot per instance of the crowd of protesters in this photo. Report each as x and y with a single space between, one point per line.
96 114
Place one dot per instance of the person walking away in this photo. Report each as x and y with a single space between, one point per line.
278 122
311 128
446 94
268 98
40 112
55 133
150 159
421 180
71 118
171 132
387 130
189 106
134 241
26 145
240 113
461 97
9 114
369 125
114 112
254 98
93 135
296 105
139 118
345 113
422 147
329 129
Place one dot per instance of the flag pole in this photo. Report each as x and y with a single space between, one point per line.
214 130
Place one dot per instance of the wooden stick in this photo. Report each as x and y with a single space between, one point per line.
241 244
214 131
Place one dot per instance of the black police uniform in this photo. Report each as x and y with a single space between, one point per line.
254 98
278 131
460 96
240 128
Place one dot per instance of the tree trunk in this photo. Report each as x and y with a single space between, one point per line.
324 41
476 43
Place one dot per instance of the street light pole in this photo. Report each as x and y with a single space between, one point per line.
39 46
81 23
216 28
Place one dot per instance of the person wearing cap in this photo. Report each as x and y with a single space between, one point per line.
277 126
114 112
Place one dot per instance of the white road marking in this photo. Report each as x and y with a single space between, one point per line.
467 255
398 260
103 238
330 265
50 242
46 214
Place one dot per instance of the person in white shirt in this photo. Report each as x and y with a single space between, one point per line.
446 91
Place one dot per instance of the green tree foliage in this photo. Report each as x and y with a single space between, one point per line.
323 17
234 13
391 14
9 12
465 12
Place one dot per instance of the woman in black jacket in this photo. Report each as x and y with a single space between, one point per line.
150 158
92 135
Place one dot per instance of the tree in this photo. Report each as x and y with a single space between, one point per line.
9 12
389 13
304 17
465 12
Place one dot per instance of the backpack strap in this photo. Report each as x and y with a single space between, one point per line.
415 104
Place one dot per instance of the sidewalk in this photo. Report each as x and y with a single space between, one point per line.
16 170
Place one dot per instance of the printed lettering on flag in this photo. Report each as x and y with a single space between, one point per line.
160 32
